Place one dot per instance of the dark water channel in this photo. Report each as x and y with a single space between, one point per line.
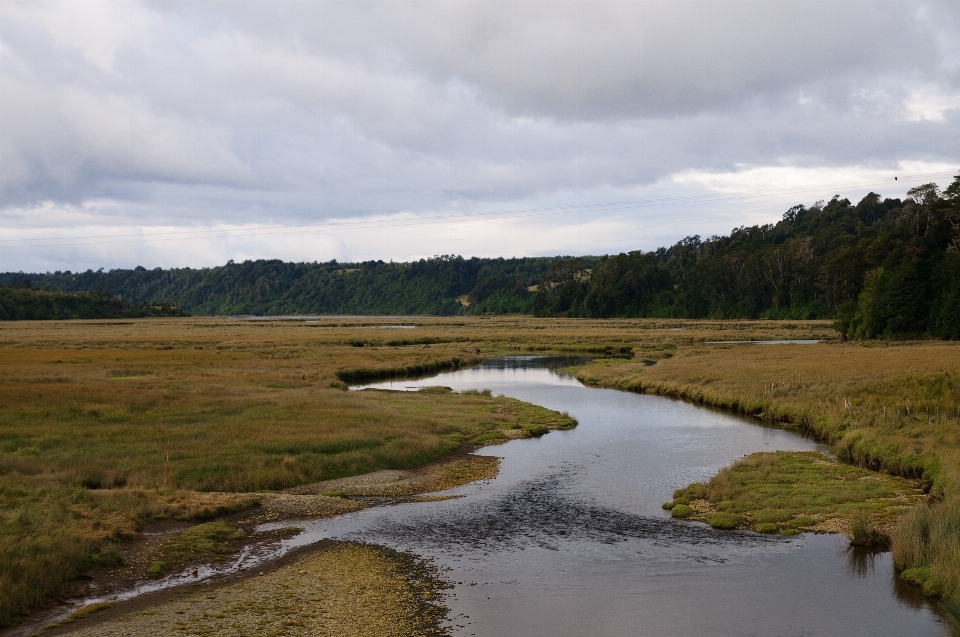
570 539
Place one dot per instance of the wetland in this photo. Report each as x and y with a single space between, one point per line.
570 534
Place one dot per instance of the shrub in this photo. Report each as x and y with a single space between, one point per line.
158 568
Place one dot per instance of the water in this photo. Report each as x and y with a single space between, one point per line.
570 539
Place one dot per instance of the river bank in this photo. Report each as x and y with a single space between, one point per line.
241 407
340 589
890 407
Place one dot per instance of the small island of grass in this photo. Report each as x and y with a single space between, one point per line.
790 492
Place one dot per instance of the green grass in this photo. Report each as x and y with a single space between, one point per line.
725 521
681 511
210 540
798 490
926 547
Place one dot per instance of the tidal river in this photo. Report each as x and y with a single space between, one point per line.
570 539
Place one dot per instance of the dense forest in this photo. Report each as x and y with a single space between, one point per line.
21 302
882 267
443 285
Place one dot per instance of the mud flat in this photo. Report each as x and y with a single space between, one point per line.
342 589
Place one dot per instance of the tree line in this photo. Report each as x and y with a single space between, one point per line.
442 285
22 302
882 267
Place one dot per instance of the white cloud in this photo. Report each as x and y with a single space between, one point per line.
140 115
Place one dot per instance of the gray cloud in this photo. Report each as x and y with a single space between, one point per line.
289 111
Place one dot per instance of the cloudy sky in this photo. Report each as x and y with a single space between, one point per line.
189 133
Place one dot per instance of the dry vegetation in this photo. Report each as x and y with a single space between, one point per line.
105 425
91 410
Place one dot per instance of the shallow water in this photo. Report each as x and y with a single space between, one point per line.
570 539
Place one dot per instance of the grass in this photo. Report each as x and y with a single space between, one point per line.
107 425
783 491
926 547
892 407
91 410
210 540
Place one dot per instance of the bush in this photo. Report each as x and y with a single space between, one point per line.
158 568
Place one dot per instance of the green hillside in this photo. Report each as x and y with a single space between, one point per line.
881 267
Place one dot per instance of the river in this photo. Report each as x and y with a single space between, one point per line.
570 539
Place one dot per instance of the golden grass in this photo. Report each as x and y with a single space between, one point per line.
888 406
90 411
107 424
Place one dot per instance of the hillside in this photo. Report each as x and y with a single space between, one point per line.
442 285
882 267
24 303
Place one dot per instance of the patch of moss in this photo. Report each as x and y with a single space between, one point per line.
725 521
922 577
793 490
681 512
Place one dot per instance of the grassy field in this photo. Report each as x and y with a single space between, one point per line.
105 425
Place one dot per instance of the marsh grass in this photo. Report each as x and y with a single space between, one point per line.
207 541
782 491
886 406
927 549
91 411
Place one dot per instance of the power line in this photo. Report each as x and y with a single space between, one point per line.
333 226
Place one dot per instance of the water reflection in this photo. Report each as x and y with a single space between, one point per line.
861 561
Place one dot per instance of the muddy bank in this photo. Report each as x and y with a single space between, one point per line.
344 589
127 588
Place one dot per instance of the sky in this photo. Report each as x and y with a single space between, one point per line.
174 134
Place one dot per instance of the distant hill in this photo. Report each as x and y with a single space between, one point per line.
444 285
24 303
882 267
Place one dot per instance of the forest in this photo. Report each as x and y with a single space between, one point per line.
21 302
881 267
